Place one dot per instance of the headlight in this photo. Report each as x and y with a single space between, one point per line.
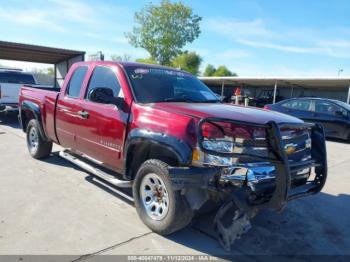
199 158
224 137
217 160
221 146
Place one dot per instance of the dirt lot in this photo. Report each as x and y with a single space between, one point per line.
50 207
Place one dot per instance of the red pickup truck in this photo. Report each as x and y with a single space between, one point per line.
163 133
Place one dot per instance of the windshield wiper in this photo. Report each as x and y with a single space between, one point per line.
179 99
189 100
211 101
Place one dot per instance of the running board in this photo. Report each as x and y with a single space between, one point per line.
93 170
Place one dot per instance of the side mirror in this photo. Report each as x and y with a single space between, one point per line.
119 102
104 95
101 95
340 114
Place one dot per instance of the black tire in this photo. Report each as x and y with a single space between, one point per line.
42 148
178 215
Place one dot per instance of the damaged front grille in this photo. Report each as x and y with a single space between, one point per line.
260 175
297 145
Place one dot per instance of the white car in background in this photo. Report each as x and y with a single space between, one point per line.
11 81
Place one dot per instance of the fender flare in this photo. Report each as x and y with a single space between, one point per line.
35 109
179 148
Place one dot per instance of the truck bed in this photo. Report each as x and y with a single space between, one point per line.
44 97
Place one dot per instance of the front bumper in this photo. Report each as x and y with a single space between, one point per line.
274 176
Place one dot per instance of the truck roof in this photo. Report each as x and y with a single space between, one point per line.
128 64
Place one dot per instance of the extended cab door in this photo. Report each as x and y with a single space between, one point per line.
67 115
101 133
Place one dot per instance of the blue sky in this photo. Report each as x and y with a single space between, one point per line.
264 38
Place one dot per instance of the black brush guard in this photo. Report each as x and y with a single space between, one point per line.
278 157
237 203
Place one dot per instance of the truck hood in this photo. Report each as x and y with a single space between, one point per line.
234 112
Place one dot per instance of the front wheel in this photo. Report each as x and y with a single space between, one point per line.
37 146
161 208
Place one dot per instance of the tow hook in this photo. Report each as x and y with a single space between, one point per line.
240 224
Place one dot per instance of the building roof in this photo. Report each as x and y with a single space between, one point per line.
35 53
339 83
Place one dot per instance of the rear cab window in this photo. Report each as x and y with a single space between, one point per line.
17 78
75 83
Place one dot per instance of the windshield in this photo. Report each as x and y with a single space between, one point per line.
152 85
16 78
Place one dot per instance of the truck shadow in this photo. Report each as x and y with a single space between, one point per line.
316 225
10 120
55 159
337 140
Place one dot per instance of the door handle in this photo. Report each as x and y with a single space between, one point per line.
83 114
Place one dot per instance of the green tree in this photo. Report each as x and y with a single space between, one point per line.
209 70
124 57
223 71
163 30
146 61
188 61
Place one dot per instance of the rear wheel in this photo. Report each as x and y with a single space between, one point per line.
37 146
161 208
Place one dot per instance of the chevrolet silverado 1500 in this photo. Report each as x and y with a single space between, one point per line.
163 133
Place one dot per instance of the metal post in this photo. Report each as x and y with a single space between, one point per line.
275 93
222 88
55 83
292 91
348 101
